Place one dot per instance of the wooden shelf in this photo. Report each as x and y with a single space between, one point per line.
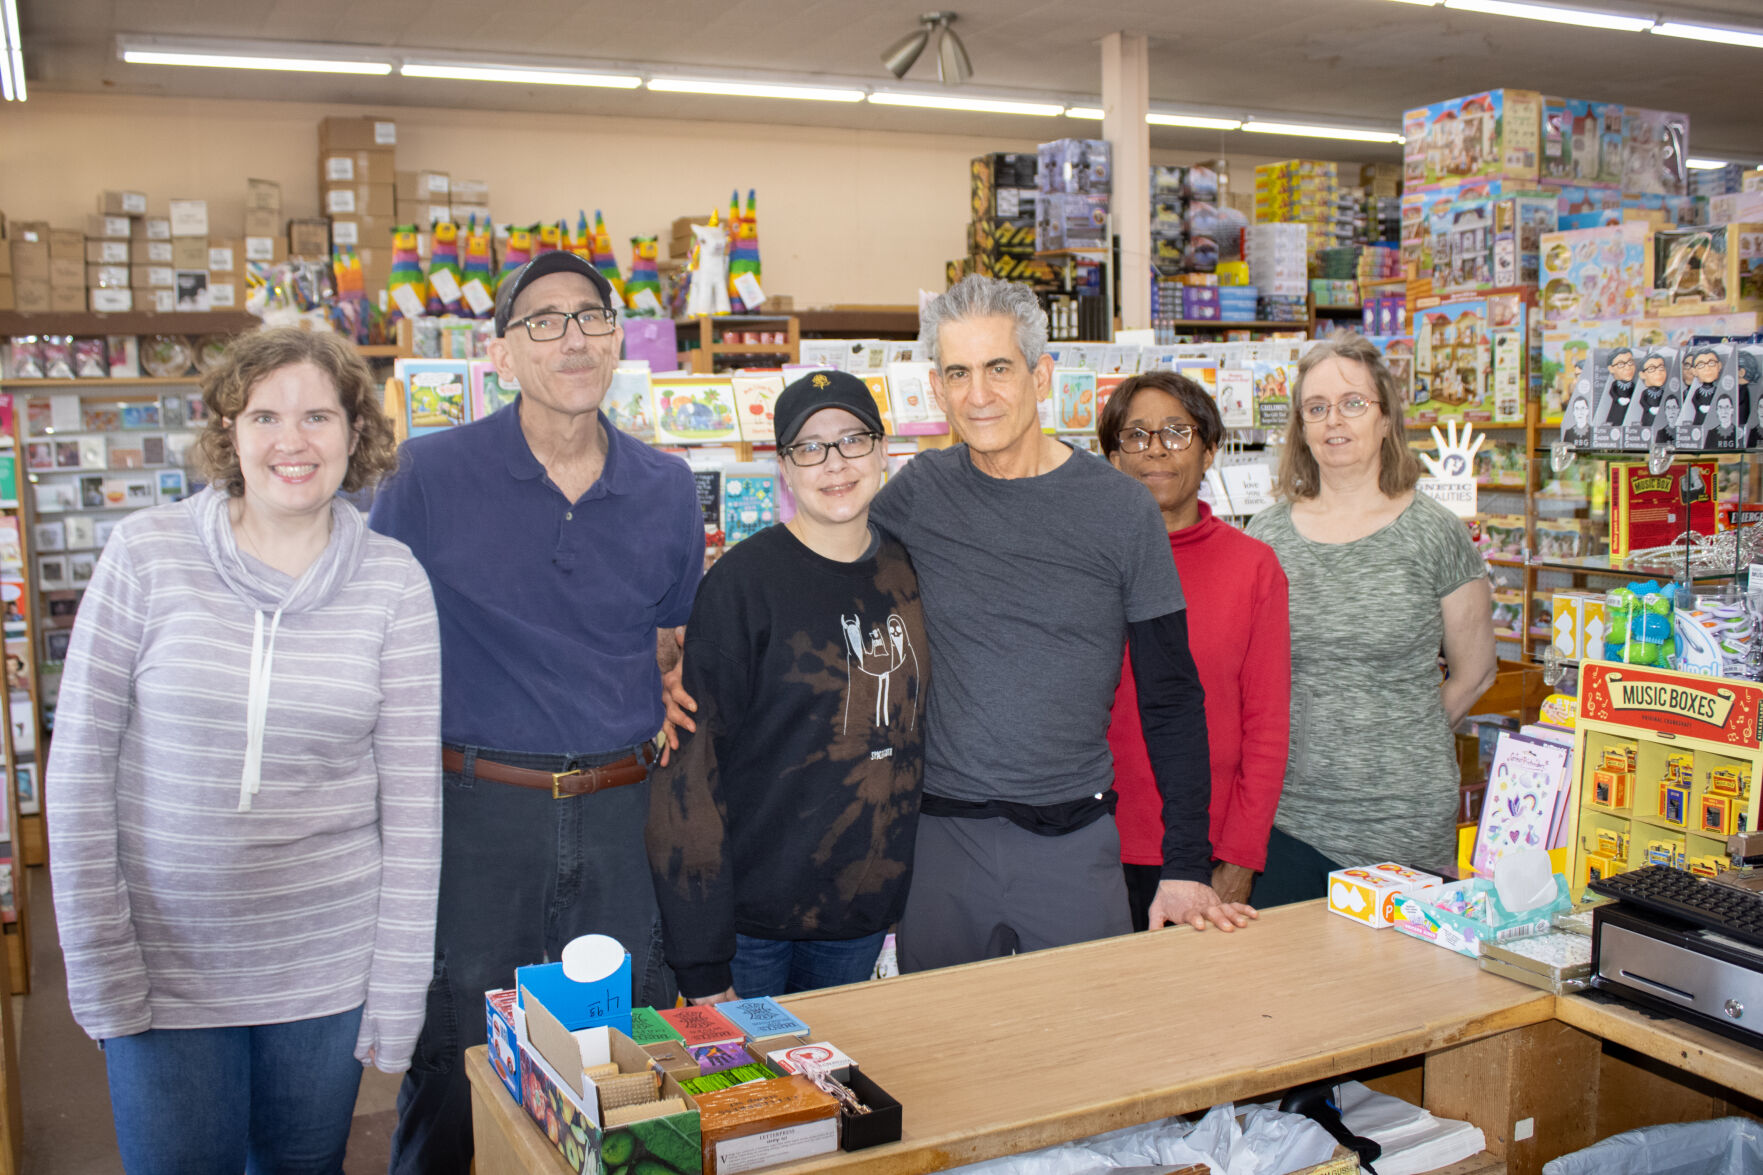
860 322
1222 324
212 322
142 381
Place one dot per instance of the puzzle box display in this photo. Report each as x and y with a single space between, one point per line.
1492 134
1716 269
1655 152
1452 359
1594 273
1582 142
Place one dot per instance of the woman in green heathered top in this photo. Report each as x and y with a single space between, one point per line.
1382 578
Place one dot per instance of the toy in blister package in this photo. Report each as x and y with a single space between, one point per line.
1710 412
1748 360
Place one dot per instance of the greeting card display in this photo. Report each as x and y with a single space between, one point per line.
434 393
1526 783
629 402
1074 398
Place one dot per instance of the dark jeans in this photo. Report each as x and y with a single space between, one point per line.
1295 873
774 967
266 1099
521 875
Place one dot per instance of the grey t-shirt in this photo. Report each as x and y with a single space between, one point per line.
1372 775
1028 585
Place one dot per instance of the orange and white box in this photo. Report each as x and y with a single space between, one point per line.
1367 893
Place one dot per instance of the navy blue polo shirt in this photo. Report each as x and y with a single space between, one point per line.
548 608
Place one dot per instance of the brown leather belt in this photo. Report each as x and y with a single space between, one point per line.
583 781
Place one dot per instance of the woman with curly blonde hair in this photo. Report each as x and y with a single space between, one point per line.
245 782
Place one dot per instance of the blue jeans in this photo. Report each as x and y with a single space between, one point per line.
521 875
774 967
265 1098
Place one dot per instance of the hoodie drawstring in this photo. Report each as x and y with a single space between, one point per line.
257 705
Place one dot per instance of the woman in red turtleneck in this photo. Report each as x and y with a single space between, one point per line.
1163 429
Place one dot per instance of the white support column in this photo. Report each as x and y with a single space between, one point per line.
1126 98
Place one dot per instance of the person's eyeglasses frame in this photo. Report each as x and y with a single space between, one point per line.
600 316
824 449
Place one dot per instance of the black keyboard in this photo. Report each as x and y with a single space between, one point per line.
1736 913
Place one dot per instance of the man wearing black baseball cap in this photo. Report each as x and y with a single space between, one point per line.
561 552
781 834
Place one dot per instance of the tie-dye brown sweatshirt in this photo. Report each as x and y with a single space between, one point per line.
791 813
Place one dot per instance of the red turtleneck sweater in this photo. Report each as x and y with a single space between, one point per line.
1240 634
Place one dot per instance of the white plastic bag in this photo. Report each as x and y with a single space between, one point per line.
1724 1146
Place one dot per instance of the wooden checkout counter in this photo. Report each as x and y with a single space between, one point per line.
1013 1054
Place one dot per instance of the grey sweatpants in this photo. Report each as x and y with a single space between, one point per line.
985 888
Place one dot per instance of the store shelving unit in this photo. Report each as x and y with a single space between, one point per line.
711 345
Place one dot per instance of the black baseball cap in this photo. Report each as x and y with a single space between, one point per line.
823 389
545 264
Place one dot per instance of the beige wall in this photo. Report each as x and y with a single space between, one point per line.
865 217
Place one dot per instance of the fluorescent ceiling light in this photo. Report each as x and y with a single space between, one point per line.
1707 164
976 105
232 61
1697 32
753 89
12 68
1256 126
1194 120
502 73
1091 112
1422 3
1573 16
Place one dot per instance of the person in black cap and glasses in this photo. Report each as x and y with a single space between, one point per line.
781 833
562 555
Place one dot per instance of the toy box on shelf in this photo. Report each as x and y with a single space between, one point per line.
1495 133
1663 769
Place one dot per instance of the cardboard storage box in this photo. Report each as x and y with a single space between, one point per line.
362 232
107 276
428 187
357 200
309 238
67 271
112 301
356 134
266 250
118 203
108 228
150 228
469 192
67 244
158 301
31 293
162 277
189 252
357 167
67 299
189 218
144 252
226 256
109 252
223 295
8 298
264 222
420 213
263 195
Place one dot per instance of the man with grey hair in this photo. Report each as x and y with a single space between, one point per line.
1037 563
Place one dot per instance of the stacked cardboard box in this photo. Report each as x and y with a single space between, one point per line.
470 198
28 254
152 279
109 277
358 182
422 198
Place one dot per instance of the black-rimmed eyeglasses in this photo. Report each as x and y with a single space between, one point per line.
851 447
1175 438
549 326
